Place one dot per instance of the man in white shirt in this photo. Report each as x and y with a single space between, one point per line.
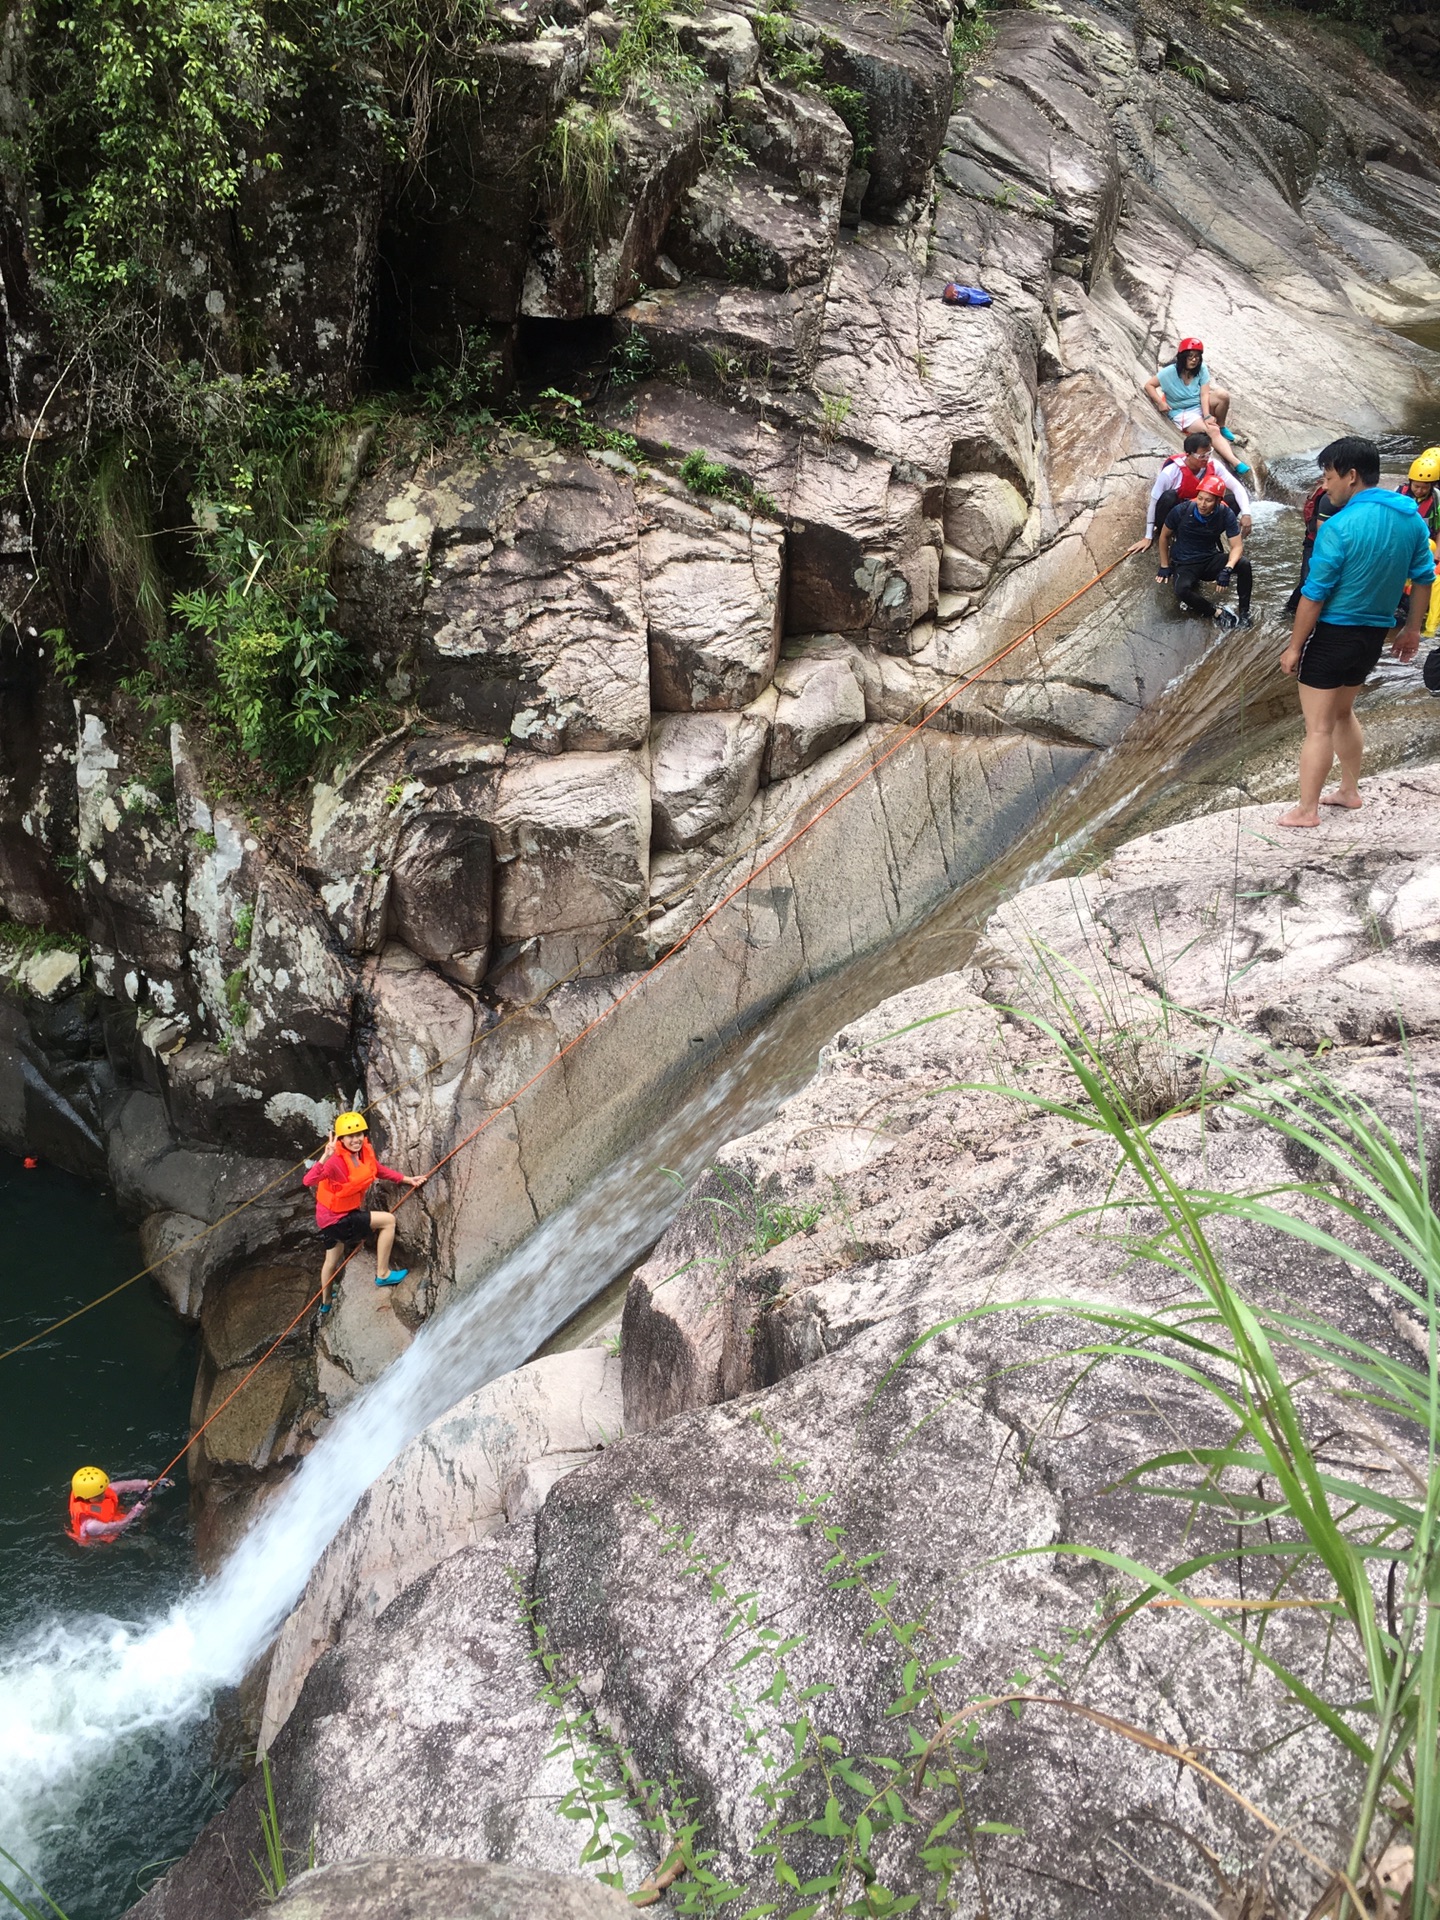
1179 479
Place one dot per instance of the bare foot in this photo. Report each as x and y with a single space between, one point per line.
1297 817
1337 797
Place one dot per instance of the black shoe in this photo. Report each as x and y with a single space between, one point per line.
1245 618
1226 619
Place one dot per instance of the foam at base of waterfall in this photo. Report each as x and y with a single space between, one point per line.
97 1708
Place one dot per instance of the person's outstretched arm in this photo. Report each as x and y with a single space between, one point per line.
111 1529
1157 395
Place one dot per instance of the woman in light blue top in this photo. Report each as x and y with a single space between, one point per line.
1185 394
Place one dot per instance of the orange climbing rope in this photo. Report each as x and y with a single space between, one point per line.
906 734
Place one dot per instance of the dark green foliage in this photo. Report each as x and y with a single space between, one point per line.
787 59
703 475
852 108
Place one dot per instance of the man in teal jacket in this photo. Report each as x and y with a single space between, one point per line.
1373 542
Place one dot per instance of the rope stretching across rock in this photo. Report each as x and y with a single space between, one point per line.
906 734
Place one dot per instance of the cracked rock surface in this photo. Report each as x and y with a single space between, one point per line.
792 1409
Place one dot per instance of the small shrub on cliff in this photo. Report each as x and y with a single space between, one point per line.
714 479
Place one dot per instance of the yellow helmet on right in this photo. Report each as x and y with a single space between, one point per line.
89 1483
1426 467
349 1123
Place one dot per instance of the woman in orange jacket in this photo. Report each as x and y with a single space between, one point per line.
342 1177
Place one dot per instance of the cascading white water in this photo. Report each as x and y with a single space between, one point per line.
84 1699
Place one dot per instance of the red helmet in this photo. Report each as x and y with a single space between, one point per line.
1191 345
1212 483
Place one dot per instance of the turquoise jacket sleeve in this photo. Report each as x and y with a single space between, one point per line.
1422 564
1322 576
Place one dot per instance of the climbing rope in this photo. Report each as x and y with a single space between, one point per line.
906 733
874 756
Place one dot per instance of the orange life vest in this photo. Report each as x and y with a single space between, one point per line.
344 1196
105 1507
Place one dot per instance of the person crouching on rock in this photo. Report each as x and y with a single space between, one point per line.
95 1511
1184 393
1179 479
1364 553
342 1177
1201 540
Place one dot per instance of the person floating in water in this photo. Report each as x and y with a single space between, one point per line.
1373 542
95 1511
342 1177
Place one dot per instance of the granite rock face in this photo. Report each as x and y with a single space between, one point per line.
761 498
836 1427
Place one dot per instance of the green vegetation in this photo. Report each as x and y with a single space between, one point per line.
244 928
971 35
579 168
713 478
835 410
646 65
1277 1373
274 1870
854 110
565 422
28 1906
19 942
787 59
69 661
645 69
235 1004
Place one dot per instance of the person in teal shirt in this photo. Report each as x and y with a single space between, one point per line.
1373 542
1185 394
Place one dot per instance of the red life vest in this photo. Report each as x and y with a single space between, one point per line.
345 1196
105 1507
1429 510
1190 482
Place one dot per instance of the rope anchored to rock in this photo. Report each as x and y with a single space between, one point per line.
902 734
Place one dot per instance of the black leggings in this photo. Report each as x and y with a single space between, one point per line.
1188 579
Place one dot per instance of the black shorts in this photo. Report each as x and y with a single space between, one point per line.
348 1231
1341 656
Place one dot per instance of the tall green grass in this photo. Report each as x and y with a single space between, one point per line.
29 1906
1368 1558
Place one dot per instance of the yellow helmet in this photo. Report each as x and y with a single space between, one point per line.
1426 466
349 1123
89 1483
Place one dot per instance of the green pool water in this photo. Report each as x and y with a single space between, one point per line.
112 1389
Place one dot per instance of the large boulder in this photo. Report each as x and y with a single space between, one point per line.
704 772
455 1484
458 240
821 702
712 588
592 254
1040 123
534 626
441 890
572 839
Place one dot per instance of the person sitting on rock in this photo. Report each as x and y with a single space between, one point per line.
1179 479
1201 540
95 1510
1183 391
342 1177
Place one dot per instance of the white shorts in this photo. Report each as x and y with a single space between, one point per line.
1192 418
